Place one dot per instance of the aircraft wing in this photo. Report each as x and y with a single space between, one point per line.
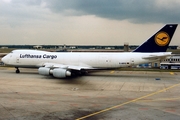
157 57
70 67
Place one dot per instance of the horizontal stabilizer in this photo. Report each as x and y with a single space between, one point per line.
158 57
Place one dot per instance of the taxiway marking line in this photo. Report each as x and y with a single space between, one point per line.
131 101
172 73
163 99
112 72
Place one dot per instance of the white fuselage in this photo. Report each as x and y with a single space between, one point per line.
35 58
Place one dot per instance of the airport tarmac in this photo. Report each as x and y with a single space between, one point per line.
105 95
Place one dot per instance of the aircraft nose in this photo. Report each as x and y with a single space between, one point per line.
4 59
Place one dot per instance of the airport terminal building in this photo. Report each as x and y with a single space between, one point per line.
171 63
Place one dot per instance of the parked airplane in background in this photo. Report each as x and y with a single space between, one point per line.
64 64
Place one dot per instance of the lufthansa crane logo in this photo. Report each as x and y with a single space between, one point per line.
162 38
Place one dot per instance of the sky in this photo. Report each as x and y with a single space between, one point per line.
85 22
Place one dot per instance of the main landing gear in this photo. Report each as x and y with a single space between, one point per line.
17 70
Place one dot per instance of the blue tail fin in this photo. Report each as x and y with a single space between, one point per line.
159 42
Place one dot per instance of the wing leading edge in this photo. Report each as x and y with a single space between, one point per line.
69 67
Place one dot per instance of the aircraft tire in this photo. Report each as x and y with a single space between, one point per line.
17 71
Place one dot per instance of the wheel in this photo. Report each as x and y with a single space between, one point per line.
17 70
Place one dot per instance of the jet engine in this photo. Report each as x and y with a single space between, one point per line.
44 71
57 72
61 73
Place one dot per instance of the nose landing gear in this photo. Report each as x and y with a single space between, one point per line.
17 70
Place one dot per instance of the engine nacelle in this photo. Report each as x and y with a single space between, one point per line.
44 71
57 72
61 73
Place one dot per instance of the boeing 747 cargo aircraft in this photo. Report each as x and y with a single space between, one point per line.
65 64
